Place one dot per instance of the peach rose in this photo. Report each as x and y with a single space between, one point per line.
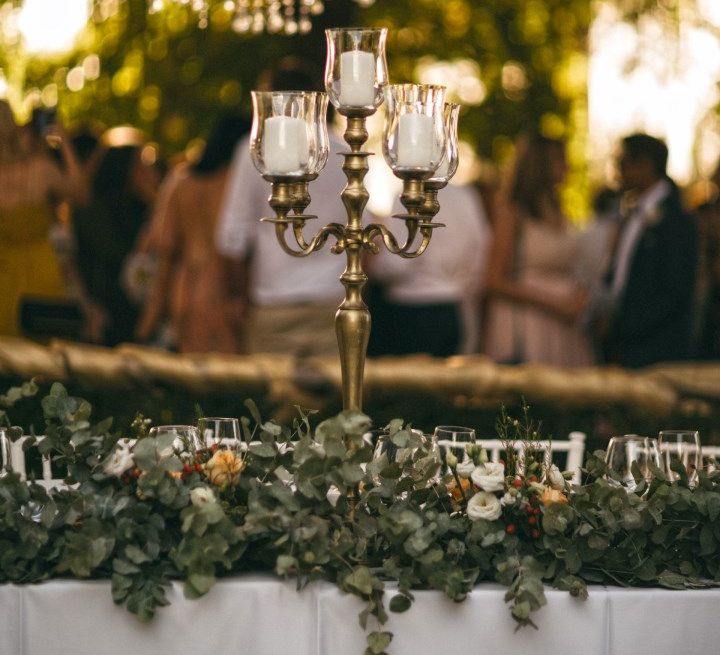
224 468
455 491
551 496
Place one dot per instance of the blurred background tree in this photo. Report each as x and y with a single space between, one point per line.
513 64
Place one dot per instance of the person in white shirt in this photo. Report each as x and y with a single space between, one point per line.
431 303
292 301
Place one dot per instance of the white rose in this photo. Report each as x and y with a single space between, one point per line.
200 496
465 469
119 462
489 477
484 505
555 478
508 499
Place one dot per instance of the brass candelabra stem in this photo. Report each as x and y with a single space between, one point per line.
352 319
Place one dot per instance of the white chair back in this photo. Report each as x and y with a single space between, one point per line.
19 464
574 447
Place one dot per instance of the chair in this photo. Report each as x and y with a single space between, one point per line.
19 465
574 447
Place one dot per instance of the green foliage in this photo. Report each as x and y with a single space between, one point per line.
315 505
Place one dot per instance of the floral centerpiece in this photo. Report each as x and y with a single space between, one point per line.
316 504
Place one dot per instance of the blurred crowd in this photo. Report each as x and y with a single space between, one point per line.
100 240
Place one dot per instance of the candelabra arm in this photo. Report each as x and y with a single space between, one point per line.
287 195
413 198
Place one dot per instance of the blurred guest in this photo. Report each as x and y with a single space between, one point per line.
431 303
292 300
595 240
707 297
643 312
122 194
30 183
189 280
534 298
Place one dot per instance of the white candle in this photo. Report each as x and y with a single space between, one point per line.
357 78
285 145
415 141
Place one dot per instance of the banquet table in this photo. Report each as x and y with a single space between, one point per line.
258 615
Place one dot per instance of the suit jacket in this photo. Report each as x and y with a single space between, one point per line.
653 319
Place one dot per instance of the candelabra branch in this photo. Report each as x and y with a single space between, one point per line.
290 194
414 199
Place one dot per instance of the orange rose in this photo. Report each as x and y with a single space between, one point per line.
224 468
455 491
550 496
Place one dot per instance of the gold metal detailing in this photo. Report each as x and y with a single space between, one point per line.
352 320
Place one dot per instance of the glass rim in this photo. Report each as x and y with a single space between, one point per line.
627 438
347 30
174 427
218 418
282 92
454 428
411 85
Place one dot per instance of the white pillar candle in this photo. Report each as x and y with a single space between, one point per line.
285 145
415 141
357 78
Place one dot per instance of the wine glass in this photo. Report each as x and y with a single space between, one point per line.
681 446
220 431
186 438
623 451
445 434
403 456
5 451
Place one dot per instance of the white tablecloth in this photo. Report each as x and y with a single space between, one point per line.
258 615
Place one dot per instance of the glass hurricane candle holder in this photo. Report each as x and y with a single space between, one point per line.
285 134
356 70
321 130
449 164
414 135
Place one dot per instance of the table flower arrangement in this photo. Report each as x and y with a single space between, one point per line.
316 504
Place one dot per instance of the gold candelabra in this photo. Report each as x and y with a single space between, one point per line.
291 196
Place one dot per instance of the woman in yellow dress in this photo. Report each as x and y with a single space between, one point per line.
30 183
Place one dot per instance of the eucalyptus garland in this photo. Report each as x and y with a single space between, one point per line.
315 504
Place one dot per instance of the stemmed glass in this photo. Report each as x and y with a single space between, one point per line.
186 438
681 446
623 451
5 451
220 431
453 433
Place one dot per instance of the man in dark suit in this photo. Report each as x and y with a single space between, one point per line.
643 313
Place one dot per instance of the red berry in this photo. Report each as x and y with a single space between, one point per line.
187 468
533 478
198 467
537 510
532 520
535 534
517 483
510 528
